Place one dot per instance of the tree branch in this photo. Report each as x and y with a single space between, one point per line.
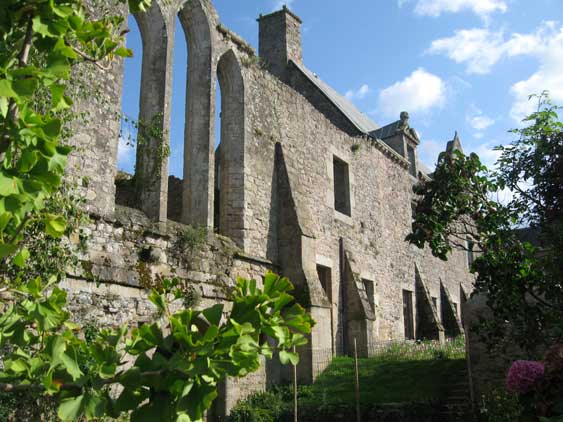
91 59
23 57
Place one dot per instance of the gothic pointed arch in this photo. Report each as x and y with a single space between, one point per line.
231 160
151 168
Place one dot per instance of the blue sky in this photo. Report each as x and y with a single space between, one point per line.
465 65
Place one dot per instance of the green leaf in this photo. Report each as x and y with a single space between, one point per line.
25 87
71 366
94 406
21 258
158 300
4 106
130 399
160 408
52 128
28 160
59 100
41 27
6 89
6 249
123 52
136 6
214 314
8 185
71 409
55 225
287 357
4 220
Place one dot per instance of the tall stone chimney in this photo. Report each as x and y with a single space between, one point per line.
280 40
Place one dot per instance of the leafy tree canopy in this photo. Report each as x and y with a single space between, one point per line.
459 208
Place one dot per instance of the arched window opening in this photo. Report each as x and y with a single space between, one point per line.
146 106
217 190
231 151
127 146
178 122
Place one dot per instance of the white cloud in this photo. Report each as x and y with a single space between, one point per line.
549 75
359 94
429 150
477 120
418 92
479 49
482 8
487 154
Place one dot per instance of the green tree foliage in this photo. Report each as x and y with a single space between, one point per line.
167 370
40 42
458 209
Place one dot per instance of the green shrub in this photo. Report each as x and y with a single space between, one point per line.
498 405
259 407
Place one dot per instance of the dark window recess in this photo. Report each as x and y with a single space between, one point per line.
408 315
462 301
370 292
412 160
435 303
470 254
341 187
455 309
325 276
413 212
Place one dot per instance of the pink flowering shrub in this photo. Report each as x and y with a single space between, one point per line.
523 376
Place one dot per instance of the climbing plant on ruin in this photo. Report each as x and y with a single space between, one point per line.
458 208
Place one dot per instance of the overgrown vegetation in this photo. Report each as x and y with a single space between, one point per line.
457 208
522 282
191 238
401 373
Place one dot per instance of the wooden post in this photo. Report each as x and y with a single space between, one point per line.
294 390
357 383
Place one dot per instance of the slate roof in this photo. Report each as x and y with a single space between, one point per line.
386 131
356 117
362 122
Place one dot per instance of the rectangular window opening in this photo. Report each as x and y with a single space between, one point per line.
341 187
408 315
412 160
325 276
370 292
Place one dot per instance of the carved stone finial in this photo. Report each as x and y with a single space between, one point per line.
404 125
404 116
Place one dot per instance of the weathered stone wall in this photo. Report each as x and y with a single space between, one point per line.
381 196
279 139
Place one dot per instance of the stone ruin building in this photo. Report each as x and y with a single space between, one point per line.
302 184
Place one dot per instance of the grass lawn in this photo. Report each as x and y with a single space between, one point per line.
382 381
411 372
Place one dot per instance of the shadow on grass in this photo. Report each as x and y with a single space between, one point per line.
382 381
